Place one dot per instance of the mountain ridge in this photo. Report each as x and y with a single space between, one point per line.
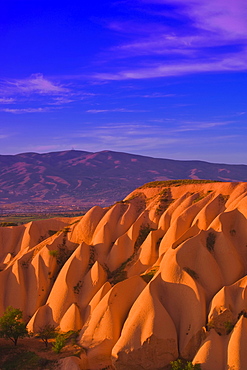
93 178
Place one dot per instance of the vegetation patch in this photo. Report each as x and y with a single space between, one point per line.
47 332
223 198
184 365
53 252
118 274
221 327
91 257
165 200
242 313
11 325
150 274
4 224
210 241
200 197
63 254
24 360
228 326
26 263
137 195
77 287
143 233
192 273
59 343
52 232
155 184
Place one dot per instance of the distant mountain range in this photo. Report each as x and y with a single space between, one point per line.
96 178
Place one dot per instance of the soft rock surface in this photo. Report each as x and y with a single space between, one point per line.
159 276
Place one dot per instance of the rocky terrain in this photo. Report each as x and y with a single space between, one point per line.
158 276
72 179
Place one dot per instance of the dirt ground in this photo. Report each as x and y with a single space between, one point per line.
9 352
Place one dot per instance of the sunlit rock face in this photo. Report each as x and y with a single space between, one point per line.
156 277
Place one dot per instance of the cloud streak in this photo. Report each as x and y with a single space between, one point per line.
41 90
213 39
7 100
119 110
235 63
198 126
35 84
25 110
225 17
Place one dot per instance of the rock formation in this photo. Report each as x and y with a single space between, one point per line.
158 276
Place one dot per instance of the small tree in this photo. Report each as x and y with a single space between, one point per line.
47 332
59 343
181 365
11 325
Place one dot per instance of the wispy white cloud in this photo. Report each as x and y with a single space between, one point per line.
158 95
61 101
120 110
7 100
39 89
197 125
168 132
234 63
228 17
159 139
213 39
125 137
36 83
225 17
25 110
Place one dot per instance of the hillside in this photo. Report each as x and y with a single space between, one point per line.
158 276
101 178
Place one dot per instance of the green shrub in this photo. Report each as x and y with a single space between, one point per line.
53 253
59 343
150 274
181 365
228 326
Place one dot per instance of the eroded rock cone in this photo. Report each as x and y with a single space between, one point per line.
158 276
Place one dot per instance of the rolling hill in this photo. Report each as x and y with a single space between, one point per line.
99 178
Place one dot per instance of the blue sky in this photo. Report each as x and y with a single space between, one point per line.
163 78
